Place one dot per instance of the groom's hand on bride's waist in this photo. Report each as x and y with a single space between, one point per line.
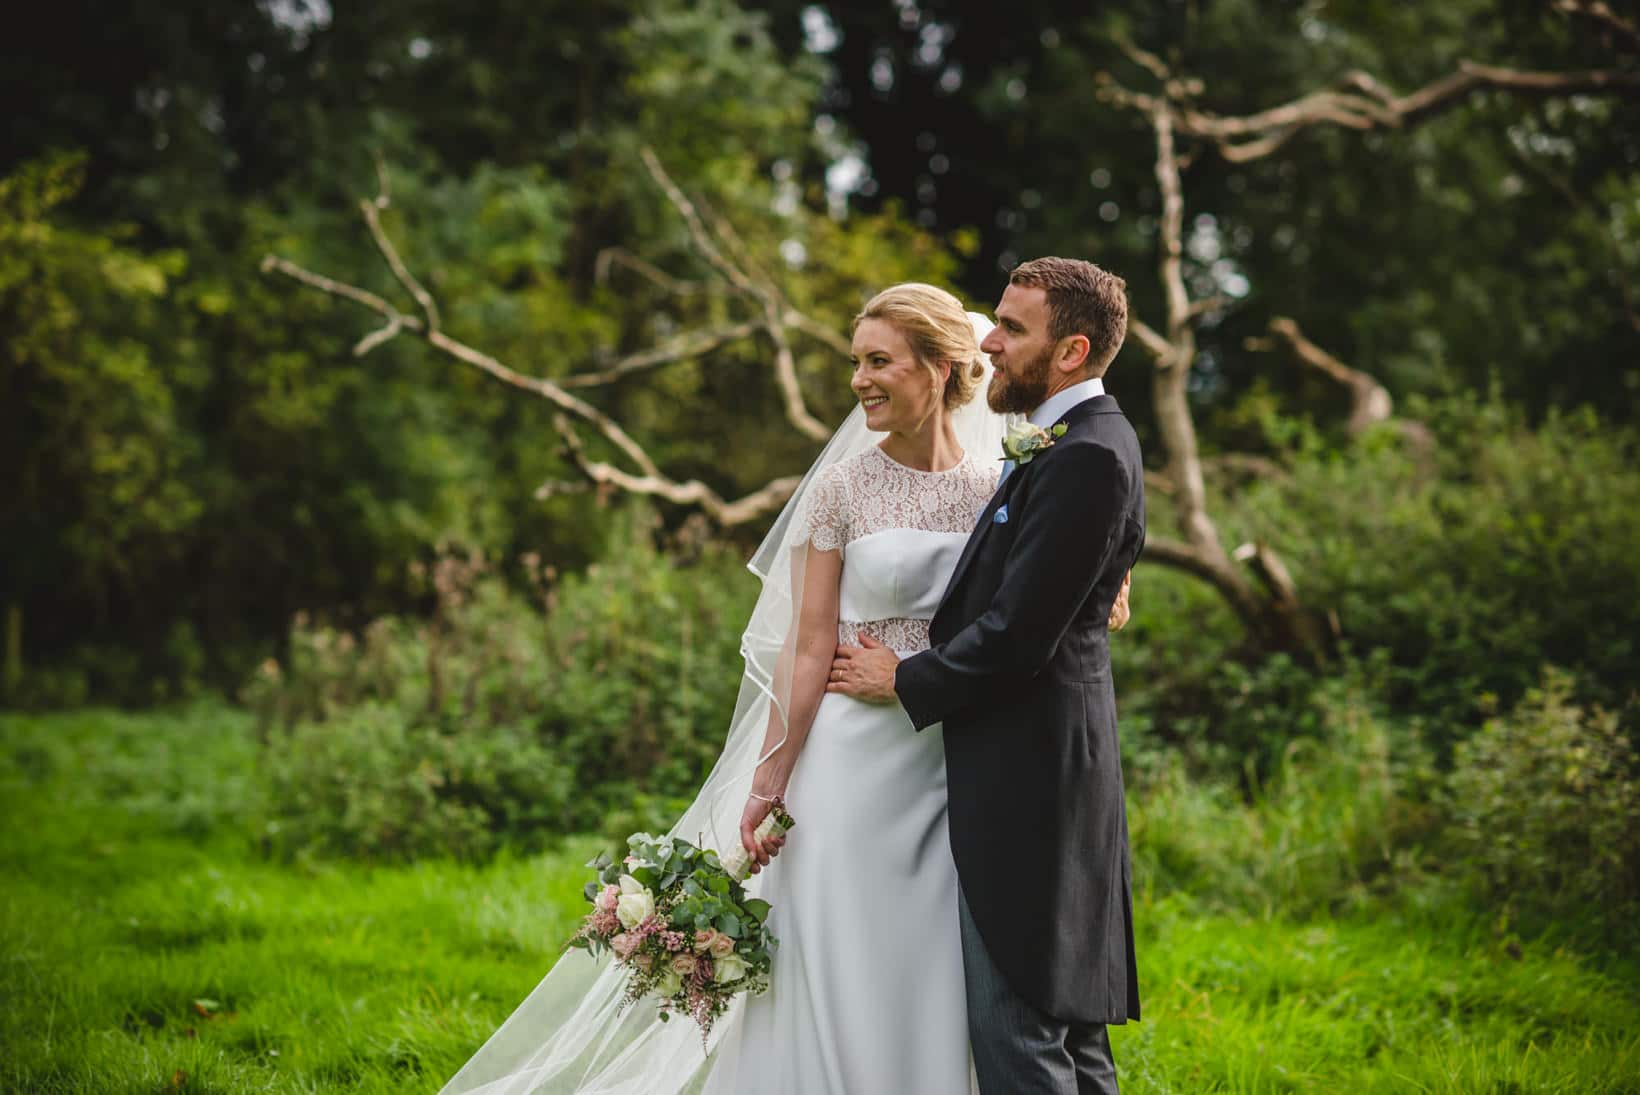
865 672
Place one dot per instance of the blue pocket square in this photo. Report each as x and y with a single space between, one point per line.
1001 517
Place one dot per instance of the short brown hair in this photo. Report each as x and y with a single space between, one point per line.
935 324
1082 300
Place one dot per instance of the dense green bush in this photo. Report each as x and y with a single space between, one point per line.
374 784
580 703
1507 548
1544 803
1340 818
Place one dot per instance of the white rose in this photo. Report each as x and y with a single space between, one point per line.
635 904
669 984
729 968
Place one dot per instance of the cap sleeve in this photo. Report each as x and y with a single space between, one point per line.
823 521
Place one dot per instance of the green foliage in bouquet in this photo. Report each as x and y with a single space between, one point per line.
680 921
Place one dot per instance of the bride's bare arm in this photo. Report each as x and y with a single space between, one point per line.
811 645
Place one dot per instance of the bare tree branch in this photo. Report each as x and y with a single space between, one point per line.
1153 343
712 236
395 318
1602 14
816 330
1157 481
1202 307
773 307
767 498
1359 102
785 374
1254 135
1201 553
1370 401
704 242
372 217
620 256
687 345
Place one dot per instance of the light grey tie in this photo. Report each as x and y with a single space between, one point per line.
1007 470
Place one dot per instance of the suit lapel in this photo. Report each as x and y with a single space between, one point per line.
1103 404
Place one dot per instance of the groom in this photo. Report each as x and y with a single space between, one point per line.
1019 673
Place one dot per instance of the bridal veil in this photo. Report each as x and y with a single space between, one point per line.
571 1033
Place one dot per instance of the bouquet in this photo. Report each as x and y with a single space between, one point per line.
678 918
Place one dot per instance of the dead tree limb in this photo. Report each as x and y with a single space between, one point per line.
1370 402
737 275
1254 580
1623 31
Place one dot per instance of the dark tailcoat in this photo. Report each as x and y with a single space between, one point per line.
1019 673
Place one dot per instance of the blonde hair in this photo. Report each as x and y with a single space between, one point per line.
936 325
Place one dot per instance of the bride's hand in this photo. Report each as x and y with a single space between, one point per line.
1119 610
760 851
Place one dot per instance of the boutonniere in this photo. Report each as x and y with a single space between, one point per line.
1023 441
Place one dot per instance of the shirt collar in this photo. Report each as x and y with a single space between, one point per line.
1062 401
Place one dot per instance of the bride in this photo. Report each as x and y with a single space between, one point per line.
867 986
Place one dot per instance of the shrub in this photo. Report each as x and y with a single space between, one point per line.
1544 803
1340 818
371 784
508 715
1511 546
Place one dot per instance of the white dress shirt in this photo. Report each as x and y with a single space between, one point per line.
1062 401
1055 408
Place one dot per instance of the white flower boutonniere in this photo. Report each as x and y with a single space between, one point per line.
1023 441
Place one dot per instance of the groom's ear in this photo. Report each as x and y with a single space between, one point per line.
1073 354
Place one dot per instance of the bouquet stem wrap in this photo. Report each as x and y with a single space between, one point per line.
739 861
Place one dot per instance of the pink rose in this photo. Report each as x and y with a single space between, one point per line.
683 965
703 939
722 946
607 898
624 944
643 960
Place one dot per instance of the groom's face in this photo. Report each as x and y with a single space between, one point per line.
1021 351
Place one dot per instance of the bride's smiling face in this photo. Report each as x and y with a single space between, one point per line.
898 392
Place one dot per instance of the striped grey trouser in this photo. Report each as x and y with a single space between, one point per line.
1019 1050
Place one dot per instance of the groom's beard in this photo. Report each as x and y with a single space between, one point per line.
1022 393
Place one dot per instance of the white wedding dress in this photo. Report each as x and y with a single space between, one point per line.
867 987
867 991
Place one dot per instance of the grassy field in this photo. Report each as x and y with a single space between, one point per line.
147 947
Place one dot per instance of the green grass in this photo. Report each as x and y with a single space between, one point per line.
145 946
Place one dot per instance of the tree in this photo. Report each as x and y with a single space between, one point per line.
98 465
1267 601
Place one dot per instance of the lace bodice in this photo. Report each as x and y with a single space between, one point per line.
892 582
